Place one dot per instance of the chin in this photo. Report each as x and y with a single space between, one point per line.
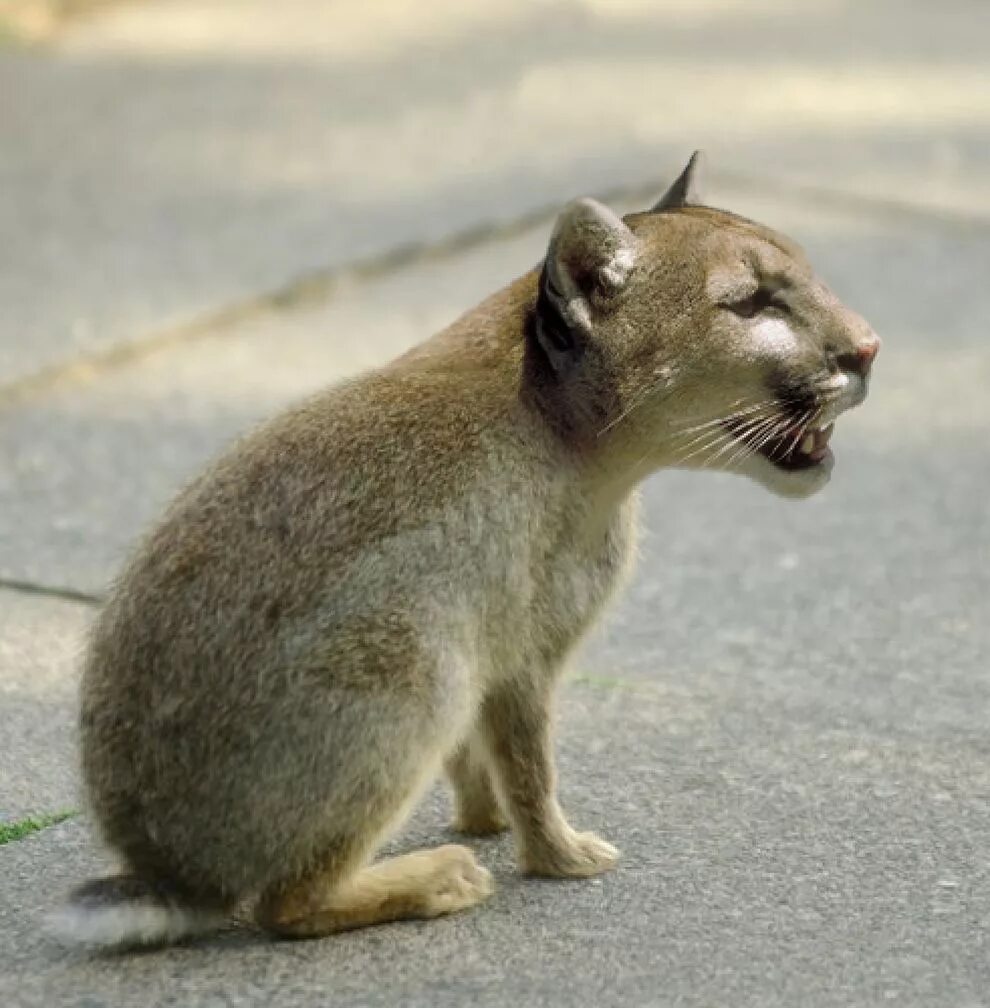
792 484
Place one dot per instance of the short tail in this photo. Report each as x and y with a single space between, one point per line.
125 911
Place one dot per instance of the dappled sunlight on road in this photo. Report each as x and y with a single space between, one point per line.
252 141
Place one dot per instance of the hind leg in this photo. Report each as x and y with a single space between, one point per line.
395 712
422 884
477 811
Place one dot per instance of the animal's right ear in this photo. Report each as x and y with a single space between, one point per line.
686 188
591 254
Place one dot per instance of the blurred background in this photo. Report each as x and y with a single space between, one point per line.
164 157
208 209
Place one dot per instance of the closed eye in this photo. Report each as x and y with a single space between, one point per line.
758 302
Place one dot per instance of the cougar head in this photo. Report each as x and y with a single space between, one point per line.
689 336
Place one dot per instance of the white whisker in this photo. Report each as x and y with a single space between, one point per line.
716 438
637 399
779 428
724 418
798 435
763 433
722 422
704 436
752 438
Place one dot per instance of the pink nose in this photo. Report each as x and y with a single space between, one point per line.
866 352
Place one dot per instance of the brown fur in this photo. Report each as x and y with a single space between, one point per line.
390 577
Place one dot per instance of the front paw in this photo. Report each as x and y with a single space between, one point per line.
454 882
574 855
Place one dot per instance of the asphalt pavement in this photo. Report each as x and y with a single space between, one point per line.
210 210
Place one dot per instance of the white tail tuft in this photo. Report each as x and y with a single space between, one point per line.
115 913
126 927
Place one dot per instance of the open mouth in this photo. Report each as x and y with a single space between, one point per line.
799 445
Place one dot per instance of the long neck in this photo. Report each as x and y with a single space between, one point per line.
560 420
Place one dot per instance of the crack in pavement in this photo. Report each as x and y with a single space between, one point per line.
64 594
315 285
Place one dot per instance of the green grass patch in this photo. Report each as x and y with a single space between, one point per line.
10 831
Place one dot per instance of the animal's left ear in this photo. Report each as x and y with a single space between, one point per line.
686 190
591 254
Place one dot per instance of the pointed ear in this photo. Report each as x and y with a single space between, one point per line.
686 190
590 257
